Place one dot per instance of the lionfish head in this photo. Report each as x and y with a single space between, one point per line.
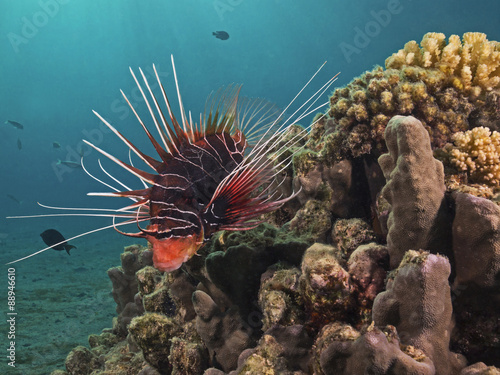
171 253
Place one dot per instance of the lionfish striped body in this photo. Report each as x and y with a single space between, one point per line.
183 208
182 215
211 176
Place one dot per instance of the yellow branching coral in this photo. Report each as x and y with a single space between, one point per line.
369 101
472 64
449 85
476 152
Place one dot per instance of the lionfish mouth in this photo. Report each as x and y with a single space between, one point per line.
217 174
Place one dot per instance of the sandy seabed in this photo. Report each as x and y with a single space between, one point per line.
60 299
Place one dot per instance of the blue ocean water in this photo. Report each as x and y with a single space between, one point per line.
59 59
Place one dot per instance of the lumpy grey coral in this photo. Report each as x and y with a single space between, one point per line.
224 333
375 352
417 301
415 189
326 286
476 226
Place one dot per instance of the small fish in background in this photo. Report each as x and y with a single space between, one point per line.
56 144
69 163
222 35
14 199
52 237
19 144
15 124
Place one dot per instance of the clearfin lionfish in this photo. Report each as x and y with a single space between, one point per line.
218 174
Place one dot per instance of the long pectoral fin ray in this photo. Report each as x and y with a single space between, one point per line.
155 164
147 177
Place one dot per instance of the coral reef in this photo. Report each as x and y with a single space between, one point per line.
264 301
477 153
325 286
476 252
125 286
449 87
249 254
417 301
476 226
378 352
415 189
471 65
224 333
454 226
410 334
375 267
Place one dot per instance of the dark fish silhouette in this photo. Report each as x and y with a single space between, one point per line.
56 144
19 144
52 237
222 35
15 124
69 163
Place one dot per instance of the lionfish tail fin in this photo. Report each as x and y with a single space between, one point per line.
258 119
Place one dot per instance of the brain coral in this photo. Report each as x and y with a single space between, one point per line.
476 152
442 84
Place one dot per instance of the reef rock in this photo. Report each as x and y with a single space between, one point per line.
153 333
266 358
125 286
480 369
248 255
279 297
476 241
417 301
368 267
415 190
331 333
375 352
223 333
81 361
332 184
348 234
325 286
